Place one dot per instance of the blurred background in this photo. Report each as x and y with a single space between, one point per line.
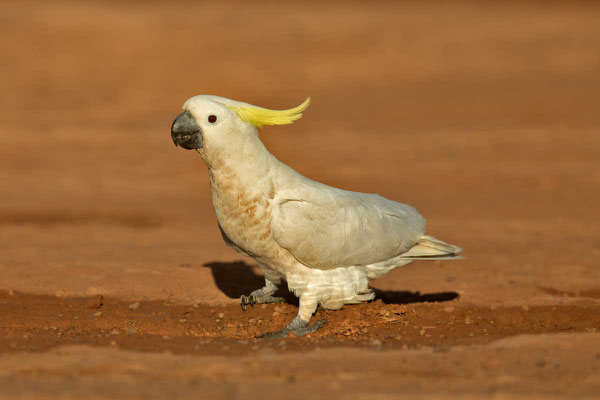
483 115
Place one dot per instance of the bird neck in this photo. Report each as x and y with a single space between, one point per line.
246 163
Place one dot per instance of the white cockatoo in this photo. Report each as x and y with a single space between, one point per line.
327 243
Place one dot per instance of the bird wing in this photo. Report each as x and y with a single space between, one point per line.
325 227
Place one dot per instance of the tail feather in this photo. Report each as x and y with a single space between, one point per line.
430 248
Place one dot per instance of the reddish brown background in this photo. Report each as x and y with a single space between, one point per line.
483 115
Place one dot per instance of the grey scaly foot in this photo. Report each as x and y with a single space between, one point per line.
259 297
298 327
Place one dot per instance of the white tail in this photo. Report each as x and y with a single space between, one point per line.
430 248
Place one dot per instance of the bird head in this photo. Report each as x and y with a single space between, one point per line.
214 123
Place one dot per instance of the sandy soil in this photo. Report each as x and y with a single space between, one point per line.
115 283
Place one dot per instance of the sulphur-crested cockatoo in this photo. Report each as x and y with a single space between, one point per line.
327 243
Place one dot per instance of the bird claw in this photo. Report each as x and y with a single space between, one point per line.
245 300
295 329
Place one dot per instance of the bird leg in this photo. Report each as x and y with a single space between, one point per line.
260 296
299 325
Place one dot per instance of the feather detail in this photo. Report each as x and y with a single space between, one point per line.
430 248
259 116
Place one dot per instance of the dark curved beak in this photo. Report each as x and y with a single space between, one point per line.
186 132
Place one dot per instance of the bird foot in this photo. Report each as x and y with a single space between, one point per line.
298 327
258 297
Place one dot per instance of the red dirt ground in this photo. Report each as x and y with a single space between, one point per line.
115 283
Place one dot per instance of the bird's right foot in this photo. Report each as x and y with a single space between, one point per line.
298 327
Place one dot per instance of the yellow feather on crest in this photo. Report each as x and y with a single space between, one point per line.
263 116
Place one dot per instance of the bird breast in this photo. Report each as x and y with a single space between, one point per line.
244 213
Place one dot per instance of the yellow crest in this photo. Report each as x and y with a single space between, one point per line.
262 116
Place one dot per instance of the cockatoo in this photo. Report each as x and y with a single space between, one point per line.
326 243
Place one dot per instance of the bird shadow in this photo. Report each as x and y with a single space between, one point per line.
235 278
406 297
238 278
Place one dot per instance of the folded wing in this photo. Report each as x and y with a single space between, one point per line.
329 228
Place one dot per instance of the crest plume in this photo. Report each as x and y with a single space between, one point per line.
258 116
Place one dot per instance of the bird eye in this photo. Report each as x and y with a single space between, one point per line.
212 119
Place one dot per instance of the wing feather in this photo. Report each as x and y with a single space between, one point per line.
327 228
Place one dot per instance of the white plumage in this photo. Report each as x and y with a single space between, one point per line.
325 242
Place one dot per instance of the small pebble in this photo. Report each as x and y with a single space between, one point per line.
98 314
182 320
134 306
221 315
95 301
375 342
131 330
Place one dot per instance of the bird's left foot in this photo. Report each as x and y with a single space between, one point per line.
298 327
258 297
